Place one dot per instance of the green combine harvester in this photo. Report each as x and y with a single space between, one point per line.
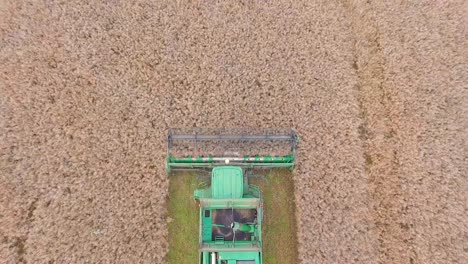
231 209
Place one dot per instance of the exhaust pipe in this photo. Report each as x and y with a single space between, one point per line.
213 258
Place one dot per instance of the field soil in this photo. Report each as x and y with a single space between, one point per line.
376 89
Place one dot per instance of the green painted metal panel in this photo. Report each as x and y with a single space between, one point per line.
207 225
170 166
234 257
229 246
205 258
245 162
245 159
227 182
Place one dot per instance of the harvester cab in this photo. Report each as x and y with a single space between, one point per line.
231 208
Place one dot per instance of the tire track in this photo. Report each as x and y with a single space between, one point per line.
379 132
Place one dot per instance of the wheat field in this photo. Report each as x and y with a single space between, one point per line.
377 92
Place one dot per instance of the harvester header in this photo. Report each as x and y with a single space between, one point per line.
197 148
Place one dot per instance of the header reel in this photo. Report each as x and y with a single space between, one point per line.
200 148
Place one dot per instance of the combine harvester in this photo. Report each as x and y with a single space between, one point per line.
231 209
